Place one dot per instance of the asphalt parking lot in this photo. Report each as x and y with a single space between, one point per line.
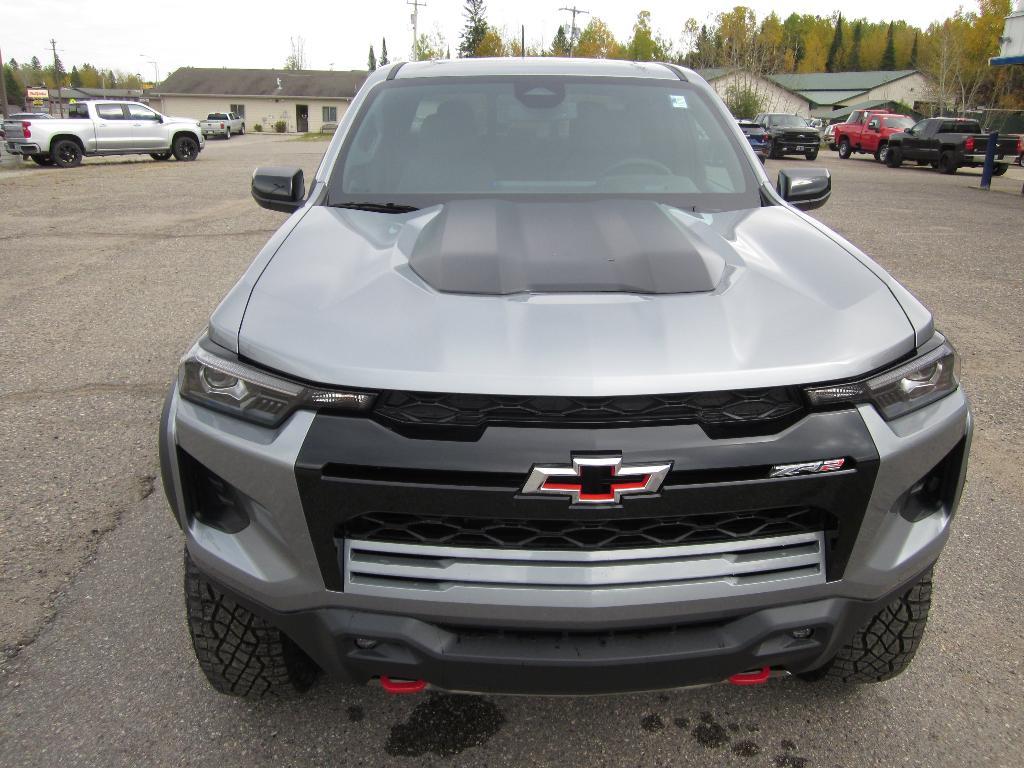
109 271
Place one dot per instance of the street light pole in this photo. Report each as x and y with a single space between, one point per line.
3 89
156 70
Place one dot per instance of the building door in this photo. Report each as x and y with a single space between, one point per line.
302 118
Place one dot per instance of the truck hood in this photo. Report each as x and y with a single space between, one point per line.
579 299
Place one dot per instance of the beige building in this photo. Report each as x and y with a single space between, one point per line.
820 94
304 99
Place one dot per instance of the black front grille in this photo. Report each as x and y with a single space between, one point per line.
582 534
752 410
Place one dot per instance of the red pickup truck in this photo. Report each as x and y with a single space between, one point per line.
869 131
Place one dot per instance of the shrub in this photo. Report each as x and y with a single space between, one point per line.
258 127
280 126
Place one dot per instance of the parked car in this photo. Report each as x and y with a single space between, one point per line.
104 128
789 135
493 411
949 143
757 136
829 136
870 134
222 124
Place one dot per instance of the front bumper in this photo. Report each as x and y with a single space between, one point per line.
281 563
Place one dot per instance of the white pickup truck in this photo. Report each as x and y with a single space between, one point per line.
222 124
104 128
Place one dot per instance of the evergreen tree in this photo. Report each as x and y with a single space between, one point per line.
853 62
913 53
35 65
560 45
76 78
384 52
834 61
889 57
476 28
371 60
15 92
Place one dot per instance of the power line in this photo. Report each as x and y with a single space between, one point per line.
572 30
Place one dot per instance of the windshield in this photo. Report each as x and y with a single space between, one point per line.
788 121
900 123
424 141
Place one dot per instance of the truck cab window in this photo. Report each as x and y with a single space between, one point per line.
109 112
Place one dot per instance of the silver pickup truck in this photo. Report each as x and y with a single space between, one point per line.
104 128
222 124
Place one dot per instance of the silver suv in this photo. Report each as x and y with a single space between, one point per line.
545 388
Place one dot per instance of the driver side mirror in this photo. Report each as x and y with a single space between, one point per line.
805 189
279 189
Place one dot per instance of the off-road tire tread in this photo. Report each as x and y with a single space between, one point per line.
240 653
884 646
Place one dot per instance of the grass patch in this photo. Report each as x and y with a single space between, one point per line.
313 137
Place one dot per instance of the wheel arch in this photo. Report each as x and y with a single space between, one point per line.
60 137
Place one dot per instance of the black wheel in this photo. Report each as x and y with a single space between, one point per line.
240 653
884 646
894 158
844 149
241 131
42 160
227 134
160 155
882 153
185 148
999 170
832 146
66 153
811 154
947 163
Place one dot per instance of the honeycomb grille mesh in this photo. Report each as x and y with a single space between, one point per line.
723 408
590 534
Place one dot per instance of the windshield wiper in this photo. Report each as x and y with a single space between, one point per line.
377 207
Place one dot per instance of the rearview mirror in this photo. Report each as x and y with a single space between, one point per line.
805 188
279 189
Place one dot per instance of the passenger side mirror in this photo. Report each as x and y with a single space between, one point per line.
279 189
805 189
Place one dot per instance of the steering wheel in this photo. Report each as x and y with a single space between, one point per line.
646 162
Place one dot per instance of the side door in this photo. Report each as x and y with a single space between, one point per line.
913 144
113 131
148 130
869 139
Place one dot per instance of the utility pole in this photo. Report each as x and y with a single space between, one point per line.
57 76
3 89
522 40
572 30
415 16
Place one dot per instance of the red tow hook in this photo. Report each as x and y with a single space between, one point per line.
401 686
751 678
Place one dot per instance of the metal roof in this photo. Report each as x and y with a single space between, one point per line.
827 98
278 83
857 82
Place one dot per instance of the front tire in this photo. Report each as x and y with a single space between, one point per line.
185 148
882 153
240 653
947 163
66 153
999 170
894 159
812 154
844 149
885 646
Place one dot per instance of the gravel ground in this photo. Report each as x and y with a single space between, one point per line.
108 271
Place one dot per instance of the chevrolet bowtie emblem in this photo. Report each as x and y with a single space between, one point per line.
596 479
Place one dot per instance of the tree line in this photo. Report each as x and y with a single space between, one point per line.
19 77
952 53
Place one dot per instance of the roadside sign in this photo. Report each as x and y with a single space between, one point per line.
38 93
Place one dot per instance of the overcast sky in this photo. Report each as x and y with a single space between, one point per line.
254 33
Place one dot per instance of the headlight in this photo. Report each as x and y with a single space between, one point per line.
251 394
928 377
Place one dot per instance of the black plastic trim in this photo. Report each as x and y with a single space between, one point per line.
394 70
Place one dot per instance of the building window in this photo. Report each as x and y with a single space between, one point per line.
330 115
238 109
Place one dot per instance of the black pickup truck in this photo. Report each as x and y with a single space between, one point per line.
948 143
789 135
